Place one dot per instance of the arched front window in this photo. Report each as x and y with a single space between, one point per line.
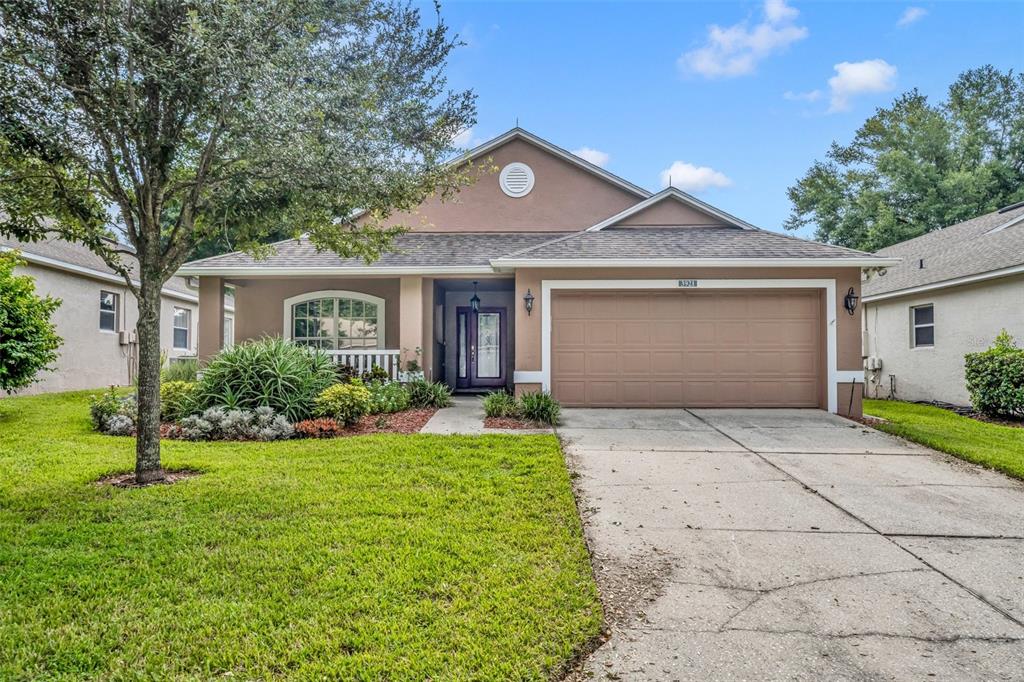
335 320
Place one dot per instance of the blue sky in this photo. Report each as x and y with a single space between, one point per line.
650 85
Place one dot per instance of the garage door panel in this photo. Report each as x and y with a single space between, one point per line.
602 333
635 333
687 348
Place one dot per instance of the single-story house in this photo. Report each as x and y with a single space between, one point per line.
554 274
98 316
951 294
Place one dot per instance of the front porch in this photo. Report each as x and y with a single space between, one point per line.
457 330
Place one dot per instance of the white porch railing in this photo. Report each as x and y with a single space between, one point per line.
363 359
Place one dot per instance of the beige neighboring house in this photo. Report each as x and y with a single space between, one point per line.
953 292
98 316
555 274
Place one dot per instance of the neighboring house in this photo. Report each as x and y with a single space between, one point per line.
98 316
555 274
954 290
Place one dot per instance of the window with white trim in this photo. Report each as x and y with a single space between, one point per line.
336 323
182 327
229 332
109 311
922 326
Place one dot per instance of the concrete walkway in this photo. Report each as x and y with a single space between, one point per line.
466 417
793 544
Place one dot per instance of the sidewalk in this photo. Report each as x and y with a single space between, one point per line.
466 417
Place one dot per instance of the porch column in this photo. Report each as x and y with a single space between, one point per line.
410 311
211 316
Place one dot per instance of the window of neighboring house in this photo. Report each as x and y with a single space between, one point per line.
229 332
922 321
182 325
109 311
337 322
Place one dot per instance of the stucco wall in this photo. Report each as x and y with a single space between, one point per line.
89 356
967 319
848 327
564 197
260 302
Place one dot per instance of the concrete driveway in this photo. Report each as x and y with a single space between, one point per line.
794 544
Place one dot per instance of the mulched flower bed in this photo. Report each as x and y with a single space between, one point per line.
127 479
510 423
408 421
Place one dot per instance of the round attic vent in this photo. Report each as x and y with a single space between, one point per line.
516 180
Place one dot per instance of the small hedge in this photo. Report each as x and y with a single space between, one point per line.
995 378
344 402
535 407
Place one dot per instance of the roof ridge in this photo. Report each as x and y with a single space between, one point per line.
562 238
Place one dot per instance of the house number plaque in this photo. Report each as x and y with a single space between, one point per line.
687 283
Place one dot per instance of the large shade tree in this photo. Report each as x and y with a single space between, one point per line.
918 166
176 122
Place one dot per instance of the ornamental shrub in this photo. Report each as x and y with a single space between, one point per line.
217 423
386 398
104 408
426 394
177 399
180 370
376 373
500 404
28 342
539 407
995 378
267 372
322 427
344 402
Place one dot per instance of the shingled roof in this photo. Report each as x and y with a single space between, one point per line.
412 250
654 243
987 244
80 256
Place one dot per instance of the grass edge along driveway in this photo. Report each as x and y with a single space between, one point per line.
373 557
991 445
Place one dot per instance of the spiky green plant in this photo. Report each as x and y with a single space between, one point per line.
268 371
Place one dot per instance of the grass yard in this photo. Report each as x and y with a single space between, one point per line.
992 445
375 557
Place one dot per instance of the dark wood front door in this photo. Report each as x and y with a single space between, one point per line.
482 339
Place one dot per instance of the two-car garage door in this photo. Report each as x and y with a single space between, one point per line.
681 348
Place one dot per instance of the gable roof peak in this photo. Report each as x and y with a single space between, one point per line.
676 194
518 133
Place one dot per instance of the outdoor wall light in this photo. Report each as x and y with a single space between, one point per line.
850 302
474 302
528 301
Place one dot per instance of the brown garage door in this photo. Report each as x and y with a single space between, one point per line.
686 348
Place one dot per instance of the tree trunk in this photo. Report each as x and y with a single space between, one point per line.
147 443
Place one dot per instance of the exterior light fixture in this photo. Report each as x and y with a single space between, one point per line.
528 301
474 302
850 302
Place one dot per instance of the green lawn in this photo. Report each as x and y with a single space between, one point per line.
998 447
378 557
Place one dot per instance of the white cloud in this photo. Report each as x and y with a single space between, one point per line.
912 15
857 78
594 156
810 96
466 139
690 178
736 50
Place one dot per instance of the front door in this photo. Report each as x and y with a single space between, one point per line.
482 341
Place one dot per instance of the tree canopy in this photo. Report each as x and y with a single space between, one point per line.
918 166
181 123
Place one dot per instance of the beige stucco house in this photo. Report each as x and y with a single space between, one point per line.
951 294
555 274
98 315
